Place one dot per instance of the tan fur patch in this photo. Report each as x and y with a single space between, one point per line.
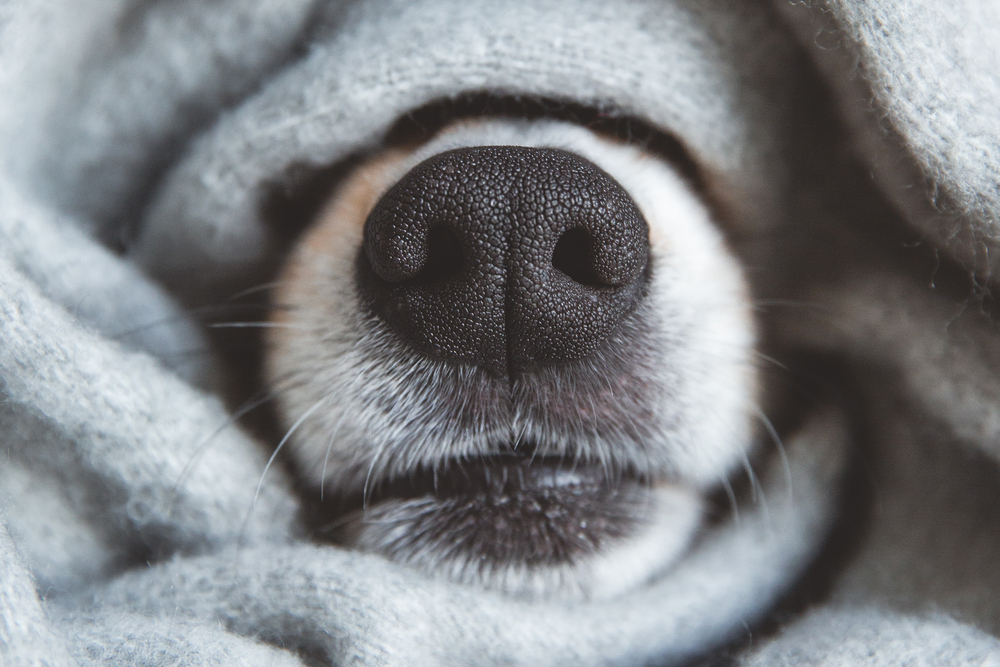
339 224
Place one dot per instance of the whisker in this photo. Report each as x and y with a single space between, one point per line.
256 325
757 490
288 434
368 477
255 289
732 499
773 432
770 360
329 448
198 315
255 401
752 478
350 517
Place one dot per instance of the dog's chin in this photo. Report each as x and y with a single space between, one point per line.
573 478
526 526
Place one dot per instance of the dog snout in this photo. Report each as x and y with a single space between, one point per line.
516 356
504 257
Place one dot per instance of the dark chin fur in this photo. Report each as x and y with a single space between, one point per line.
495 512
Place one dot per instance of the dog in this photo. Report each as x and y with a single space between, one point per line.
518 356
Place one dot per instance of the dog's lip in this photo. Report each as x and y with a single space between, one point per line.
497 479
523 511
498 475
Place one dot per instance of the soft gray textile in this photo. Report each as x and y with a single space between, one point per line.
132 528
846 637
918 81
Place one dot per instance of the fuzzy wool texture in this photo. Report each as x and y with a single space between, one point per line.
140 526
918 81
841 637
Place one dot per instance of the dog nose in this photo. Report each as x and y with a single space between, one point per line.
504 256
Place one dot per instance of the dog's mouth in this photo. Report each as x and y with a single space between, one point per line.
504 510
525 525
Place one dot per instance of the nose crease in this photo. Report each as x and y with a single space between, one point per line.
510 305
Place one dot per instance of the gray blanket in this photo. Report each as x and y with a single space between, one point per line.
855 146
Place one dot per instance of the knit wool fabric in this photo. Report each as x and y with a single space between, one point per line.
852 145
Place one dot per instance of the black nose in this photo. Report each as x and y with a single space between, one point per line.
504 256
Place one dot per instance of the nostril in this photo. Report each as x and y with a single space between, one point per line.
574 256
444 257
